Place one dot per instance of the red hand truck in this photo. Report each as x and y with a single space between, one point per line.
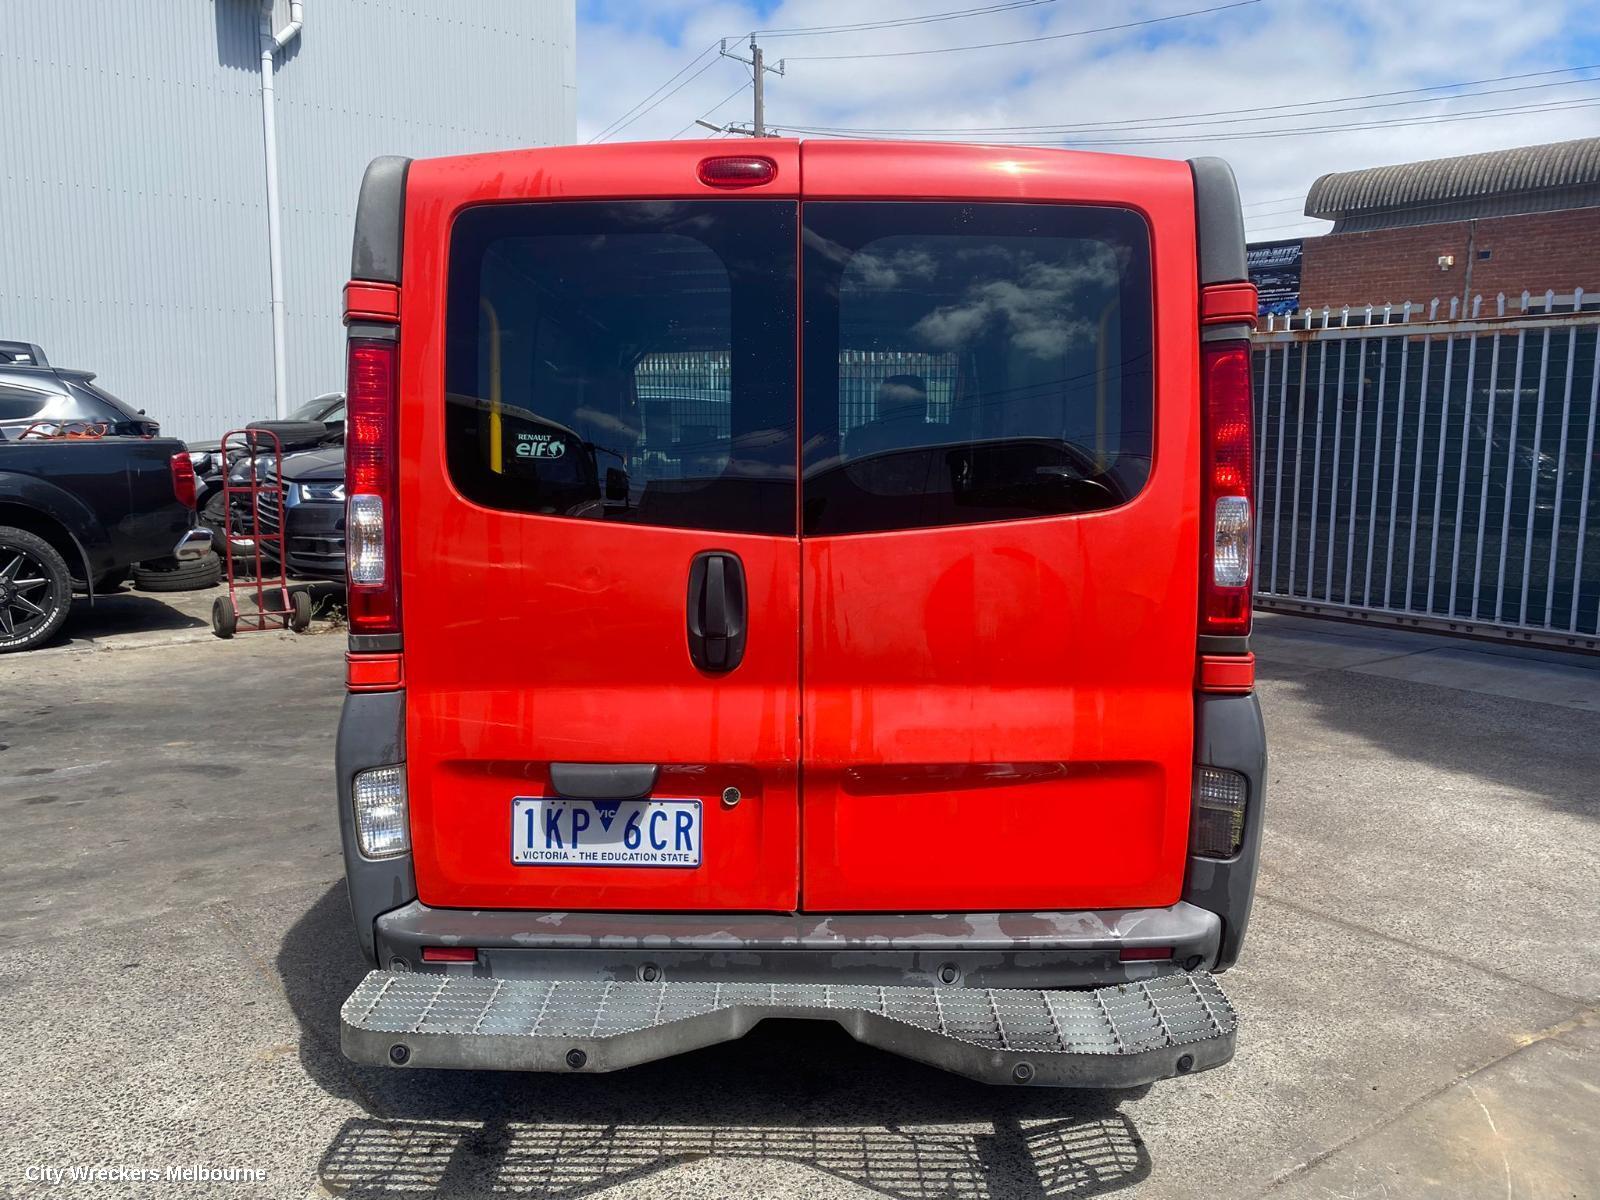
253 510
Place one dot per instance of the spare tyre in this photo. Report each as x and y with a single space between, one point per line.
173 575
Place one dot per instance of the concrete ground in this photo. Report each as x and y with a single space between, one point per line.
1418 994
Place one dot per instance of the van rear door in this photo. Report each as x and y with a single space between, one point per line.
599 567
1000 528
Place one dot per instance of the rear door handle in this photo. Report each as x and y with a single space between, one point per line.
716 610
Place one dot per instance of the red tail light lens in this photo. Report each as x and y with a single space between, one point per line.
456 954
745 170
1228 511
183 478
371 564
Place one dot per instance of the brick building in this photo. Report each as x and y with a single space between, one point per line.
1505 221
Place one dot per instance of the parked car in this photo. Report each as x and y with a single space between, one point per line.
312 517
77 514
893 671
34 393
318 422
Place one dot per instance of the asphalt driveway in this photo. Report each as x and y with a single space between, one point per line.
1418 993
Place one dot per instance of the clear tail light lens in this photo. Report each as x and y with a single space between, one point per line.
1228 496
364 540
383 826
1220 797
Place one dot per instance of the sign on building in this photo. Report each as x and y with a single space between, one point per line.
1275 270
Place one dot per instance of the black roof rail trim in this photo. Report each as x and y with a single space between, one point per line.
1219 223
380 221
15 350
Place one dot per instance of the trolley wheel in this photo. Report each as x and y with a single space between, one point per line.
224 621
300 611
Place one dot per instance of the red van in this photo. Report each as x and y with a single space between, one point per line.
800 580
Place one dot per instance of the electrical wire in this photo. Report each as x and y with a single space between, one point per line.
638 110
1297 131
736 91
1176 120
1043 37
899 22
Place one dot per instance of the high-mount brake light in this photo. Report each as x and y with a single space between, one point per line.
183 478
1227 511
371 536
741 170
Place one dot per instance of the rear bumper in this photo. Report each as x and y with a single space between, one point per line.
1117 1036
983 950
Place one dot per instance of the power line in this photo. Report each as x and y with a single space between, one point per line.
669 95
1296 131
1044 37
634 113
1279 200
896 23
1124 124
720 103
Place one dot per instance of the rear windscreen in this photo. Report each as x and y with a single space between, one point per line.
972 362
628 361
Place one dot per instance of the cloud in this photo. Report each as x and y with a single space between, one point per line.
1275 53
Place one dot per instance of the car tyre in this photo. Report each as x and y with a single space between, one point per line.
173 575
224 621
300 611
35 590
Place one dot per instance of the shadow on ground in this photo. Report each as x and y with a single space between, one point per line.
792 1091
126 611
1547 751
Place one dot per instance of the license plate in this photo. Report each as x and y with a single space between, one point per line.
605 833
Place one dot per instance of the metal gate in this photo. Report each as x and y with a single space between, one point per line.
1436 469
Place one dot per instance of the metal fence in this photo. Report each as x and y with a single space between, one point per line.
1437 465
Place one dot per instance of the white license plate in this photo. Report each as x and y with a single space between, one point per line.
549 832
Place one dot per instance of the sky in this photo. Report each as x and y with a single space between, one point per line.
1168 84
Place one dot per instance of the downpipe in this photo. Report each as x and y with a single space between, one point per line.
272 42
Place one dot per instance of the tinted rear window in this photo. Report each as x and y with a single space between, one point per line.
628 361
973 362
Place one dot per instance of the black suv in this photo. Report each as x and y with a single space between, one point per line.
32 391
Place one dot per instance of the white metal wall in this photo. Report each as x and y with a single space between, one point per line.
132 225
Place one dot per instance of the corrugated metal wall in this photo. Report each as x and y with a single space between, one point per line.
132 224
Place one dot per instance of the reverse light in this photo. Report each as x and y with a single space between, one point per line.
1227 489
383 826
1217 830
743 170
370 492
183 478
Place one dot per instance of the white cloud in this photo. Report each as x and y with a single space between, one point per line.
1273 53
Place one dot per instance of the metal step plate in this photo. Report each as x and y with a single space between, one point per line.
1114 1036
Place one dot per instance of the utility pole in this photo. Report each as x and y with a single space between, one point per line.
758 127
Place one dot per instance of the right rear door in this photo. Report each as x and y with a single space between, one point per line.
999 529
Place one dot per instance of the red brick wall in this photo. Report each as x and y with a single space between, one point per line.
1536 251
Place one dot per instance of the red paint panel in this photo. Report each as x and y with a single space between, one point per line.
533 639
373 672
1228 674
1000 716
1228 304
365 301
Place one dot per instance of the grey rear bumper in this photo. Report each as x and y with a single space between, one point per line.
1117 1036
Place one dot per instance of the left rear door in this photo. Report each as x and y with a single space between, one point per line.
598 392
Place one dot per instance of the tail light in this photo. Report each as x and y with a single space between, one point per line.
1217 830
1228 510
183 478
383 820
744 170
371 561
